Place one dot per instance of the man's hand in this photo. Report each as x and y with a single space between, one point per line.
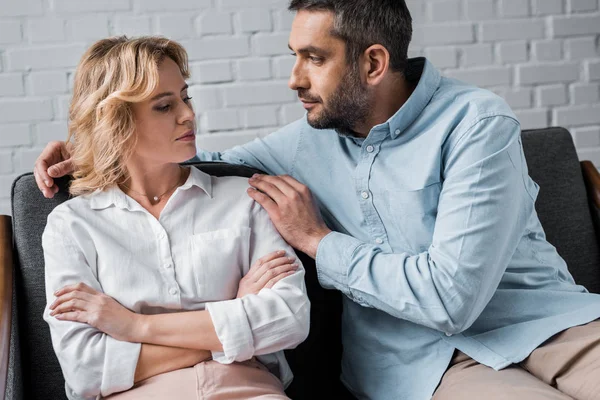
292 209
54 162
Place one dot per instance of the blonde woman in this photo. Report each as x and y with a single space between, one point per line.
154 280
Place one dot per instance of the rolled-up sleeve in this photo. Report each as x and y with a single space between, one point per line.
92 362
272 320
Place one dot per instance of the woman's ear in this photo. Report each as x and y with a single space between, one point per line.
376 63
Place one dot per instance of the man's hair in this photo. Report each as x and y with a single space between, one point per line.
113 74
363 23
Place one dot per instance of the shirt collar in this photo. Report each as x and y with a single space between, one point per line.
429 82
113 195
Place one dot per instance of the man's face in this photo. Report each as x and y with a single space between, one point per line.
330 89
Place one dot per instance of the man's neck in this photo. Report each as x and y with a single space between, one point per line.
389 98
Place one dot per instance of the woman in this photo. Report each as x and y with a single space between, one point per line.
154 283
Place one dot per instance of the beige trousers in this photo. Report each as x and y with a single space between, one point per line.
209 381
567 366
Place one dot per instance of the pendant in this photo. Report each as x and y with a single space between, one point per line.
156 198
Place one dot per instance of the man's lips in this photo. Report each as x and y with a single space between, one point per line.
190 135
308 104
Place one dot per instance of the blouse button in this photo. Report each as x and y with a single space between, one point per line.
173 291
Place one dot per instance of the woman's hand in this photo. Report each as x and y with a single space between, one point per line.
266 272
81 303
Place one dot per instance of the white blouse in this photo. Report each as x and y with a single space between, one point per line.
192 258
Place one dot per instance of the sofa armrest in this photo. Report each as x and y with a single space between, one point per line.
591 177
6 272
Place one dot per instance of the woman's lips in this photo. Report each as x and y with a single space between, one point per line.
188 137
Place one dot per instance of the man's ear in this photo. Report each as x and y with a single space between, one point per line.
376 63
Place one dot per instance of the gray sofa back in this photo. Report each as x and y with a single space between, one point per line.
34 370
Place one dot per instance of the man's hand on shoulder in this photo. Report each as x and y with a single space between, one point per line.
292 209
54 162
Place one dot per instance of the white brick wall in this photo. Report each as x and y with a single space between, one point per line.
542 56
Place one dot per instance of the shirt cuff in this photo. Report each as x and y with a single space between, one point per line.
120 363
233 330
334 257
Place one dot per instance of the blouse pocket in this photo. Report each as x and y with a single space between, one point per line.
219 260
414 213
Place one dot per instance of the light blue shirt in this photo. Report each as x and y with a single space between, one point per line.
437 245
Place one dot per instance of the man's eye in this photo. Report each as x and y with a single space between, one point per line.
315 59
186 99
293 54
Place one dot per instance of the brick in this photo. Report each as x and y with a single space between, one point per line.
577 115
171 5
593 70
257 94
574 25
443 11
477 55
514 8
175 26
256 20
218 120
441 34
555 95
88 28
283 20
214 23
46 132
585 93
133 26
10 32
20 8
212 72
25 110
205 98
6 182
583 5
270 44
46 30
512 52
417 11
442 57
238 4
547 50
25 159
87 6
5 208
44 83
292 112
587 137
518 98
580 48
214 48
283 66
46 57
11 85
547 7
253 69
224 141
592 155
478 10
547 73
62 104
12 135
257 117
532 119
6 162
522 29
484 77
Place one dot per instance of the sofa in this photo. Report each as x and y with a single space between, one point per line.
568 206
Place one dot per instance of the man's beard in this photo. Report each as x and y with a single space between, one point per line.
347 107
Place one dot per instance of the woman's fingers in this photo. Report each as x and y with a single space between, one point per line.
70 305
278 262
279 277
274 273
82 287
75 316
71 296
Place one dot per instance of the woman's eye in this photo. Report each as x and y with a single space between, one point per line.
164 108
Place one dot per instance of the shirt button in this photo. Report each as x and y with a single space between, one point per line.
379 240
397 131
365 195
173 291
370 149
448 334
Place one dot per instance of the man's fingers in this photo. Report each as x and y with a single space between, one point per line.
299 187
265 201
268 183
61 169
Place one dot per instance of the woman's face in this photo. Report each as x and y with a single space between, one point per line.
165 123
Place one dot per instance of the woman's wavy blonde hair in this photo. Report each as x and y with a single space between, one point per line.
113 74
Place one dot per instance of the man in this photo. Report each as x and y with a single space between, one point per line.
428 222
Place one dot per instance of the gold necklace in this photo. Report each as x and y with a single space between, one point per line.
157 198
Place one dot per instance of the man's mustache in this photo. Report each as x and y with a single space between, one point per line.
304 95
